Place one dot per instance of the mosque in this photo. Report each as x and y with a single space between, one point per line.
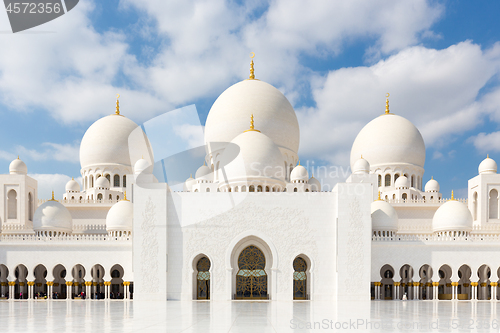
253 223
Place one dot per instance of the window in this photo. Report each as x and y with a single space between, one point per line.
99 196
116 181
405 196
396 176
493 204
91 181
251 188
124 181
379 180
474 206
12 204
108 177
30 207
412 181
388 180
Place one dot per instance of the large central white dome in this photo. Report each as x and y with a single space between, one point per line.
389 140
274 115
107 142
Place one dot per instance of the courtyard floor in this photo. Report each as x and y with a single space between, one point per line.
246 316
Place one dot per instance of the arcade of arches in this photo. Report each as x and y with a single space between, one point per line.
74 283
251 278
466 283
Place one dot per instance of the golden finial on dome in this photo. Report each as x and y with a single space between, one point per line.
379 199
17 156
432 177
252 128
387 104
52 197
117 112
252 73
487 156
452 196
125 196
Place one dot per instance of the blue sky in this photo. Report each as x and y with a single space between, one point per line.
334 60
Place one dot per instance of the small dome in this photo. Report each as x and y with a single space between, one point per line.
188 184
106 142
18 167
141 166
488 166
102 182
53 216
389 140
204 173
432 186
384 216
401 182
253 156
361 166
299 173
315 184
452 216
120 216
72 186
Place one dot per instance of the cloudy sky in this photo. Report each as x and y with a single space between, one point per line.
334 60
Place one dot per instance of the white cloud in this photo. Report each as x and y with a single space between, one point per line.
486 142
53 151
427 87
52 182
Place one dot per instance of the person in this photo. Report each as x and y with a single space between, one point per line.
405 298
21 295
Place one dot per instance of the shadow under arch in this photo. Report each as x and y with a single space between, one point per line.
266 246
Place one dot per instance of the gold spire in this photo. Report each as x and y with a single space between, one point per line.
432 177
487 156
252 73
252 128
52 197
17 156
379 199
387 104
125 196
117 112
299 162
452 196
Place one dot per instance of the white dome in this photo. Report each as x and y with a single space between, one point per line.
253 156
204 173
452 216
52 216
120 216
384 216
72 186
299 173
102 182
106 142
188 185
141 166
361 166
488 166
274 115
315 184
389 140
18 167
432 186
401 182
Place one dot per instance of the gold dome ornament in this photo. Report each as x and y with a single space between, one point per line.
252 128
387 104
117 111
252 72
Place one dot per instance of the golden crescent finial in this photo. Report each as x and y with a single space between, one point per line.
387 103
117 112
252 72
252 55
387 95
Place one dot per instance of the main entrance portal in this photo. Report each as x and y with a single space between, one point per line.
251 280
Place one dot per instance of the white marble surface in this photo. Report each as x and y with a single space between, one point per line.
245 316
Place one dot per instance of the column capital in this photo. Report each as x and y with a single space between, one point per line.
416 284
428 284
397 284
12 283
454 284
88 283
484 284
50 283
474 284
127 283
435 284
69 283
494 284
